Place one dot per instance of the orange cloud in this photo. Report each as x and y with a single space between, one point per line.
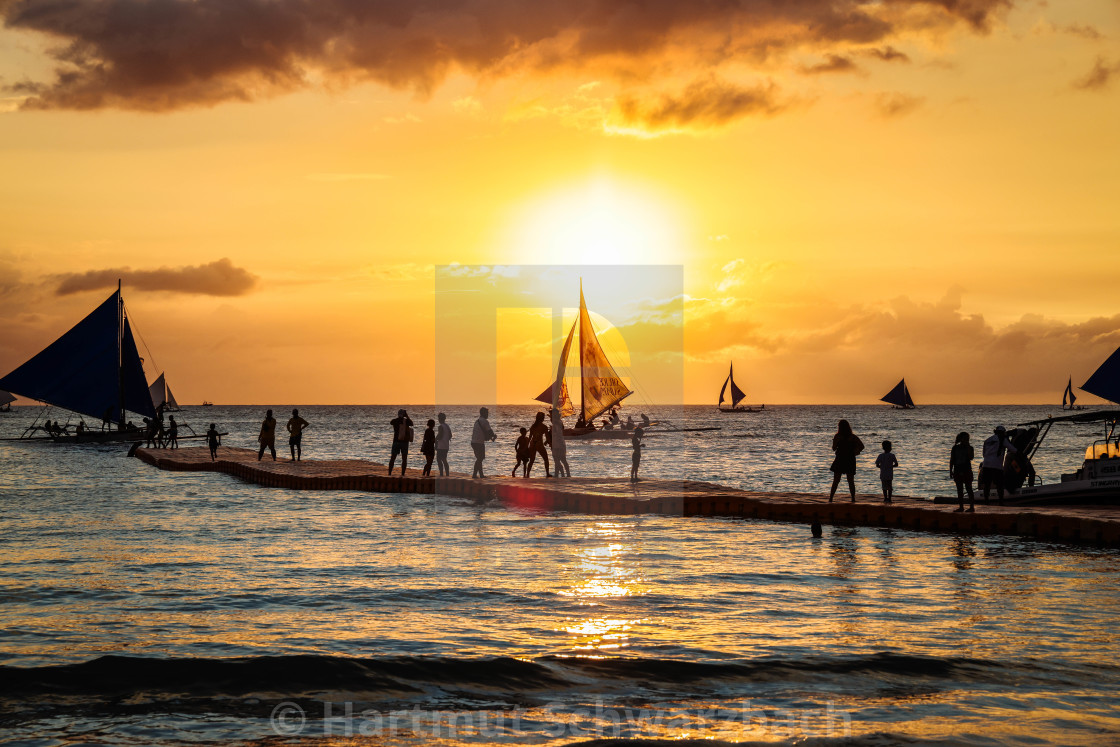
157 56
220 278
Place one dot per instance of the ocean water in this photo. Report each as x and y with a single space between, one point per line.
144 607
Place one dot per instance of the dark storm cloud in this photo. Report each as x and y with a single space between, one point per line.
220 278
165 54
704 103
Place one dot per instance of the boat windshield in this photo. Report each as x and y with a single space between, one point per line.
1103 450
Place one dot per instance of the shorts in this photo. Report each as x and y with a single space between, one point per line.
295 440
888 482
962 477
479 451
399 447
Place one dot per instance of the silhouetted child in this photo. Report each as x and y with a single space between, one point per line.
213 440
636 459
428 447
886 462
522 447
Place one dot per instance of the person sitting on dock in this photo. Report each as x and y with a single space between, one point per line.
479 436
847 446
172 433
402 435
428 447
996 448
538 434
960 469
213 440
443 443
636 457
296 426
521 449
267 437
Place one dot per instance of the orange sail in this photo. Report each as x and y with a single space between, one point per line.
557 394
600 387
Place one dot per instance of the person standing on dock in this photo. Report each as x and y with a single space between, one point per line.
402 434
636 458
960 469
267 438
428 447
847 446
443 443
172 433
521 449
479 436
559 445
996 448
295 438
213 440
886 462
538 433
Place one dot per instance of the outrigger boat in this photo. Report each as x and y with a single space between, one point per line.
899 397
737 396
1098 479
1069 399
601 388
93 370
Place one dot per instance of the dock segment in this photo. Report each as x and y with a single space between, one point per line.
613 496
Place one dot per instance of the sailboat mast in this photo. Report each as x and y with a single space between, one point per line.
579 321
120 353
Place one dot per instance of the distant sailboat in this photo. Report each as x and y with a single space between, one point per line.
1069 399
162 398
94 370
1105 381
899 397
6 400
737 395
600 387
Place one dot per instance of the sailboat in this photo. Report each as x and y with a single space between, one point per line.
899 397
93 370
600 386
737 395
6 400
1069 399
162 398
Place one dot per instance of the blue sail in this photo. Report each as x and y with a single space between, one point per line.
1105 381
899 396
80 371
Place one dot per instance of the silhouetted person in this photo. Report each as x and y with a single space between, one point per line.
479 436
960 469
847 446
629 422
886 462
816 528
636 457
559 446
521 449
996 448
645 420
443 443
213 440
538 434
614 419
402 434
150 428
267 437
296 426
428 447
172 433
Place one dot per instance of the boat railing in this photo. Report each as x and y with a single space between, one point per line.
1103 449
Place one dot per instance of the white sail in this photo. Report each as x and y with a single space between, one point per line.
162 396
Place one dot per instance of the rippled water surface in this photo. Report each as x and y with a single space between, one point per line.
143 607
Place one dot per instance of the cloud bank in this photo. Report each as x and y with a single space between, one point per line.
219 278
159 55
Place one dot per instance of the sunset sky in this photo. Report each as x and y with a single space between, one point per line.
857 191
